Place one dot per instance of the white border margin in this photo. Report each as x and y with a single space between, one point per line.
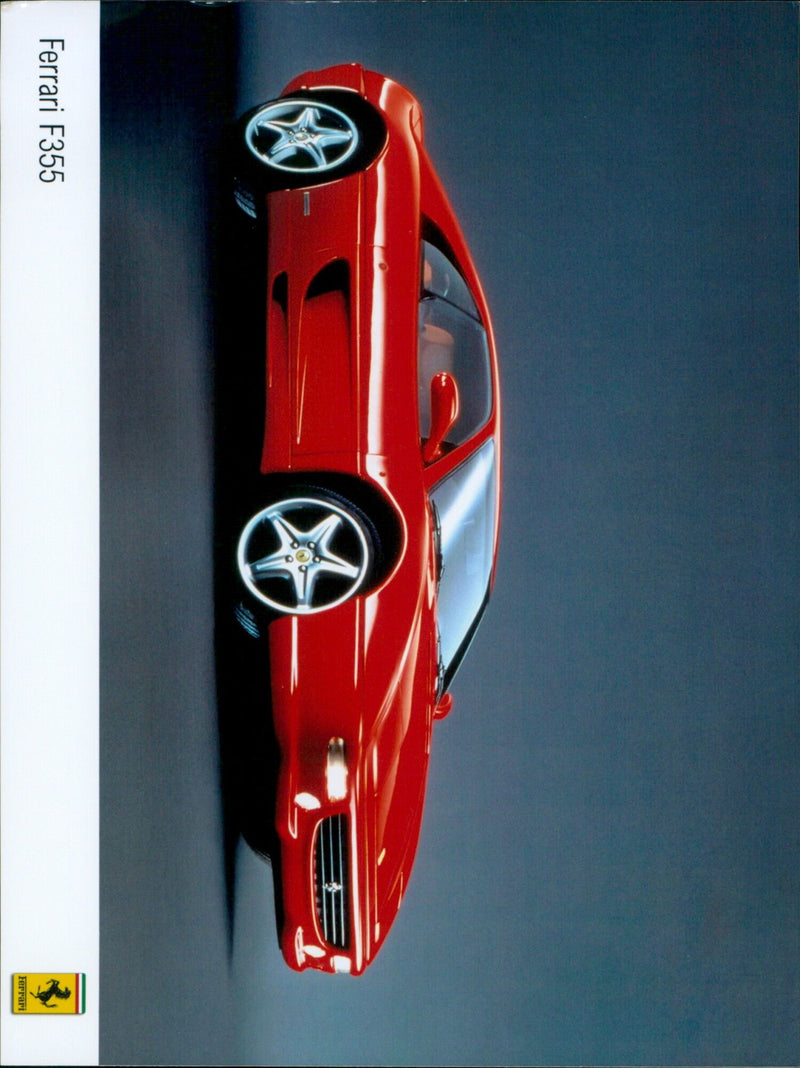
49 518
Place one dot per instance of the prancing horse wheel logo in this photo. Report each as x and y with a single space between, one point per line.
303 555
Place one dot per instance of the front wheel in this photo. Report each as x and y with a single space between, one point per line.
305 554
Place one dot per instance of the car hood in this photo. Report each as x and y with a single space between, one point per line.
366 668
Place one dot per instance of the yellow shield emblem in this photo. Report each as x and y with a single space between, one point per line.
49 993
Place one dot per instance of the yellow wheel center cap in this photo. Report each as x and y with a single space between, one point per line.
302 556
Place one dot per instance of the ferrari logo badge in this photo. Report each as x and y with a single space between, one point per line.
49 993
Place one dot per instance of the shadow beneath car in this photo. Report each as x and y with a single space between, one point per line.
168 83
248 751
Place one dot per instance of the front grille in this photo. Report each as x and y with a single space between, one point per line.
332 881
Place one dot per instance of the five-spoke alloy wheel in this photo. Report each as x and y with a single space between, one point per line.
302 137
303 140
304 554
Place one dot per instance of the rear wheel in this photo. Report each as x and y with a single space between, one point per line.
303 140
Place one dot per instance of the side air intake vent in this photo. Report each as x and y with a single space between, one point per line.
332 881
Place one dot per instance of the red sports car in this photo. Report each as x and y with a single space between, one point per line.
368 563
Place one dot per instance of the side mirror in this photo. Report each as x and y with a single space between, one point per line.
444 707
444 412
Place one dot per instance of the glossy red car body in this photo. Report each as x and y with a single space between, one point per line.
342 398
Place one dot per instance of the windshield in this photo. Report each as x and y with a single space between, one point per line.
465 505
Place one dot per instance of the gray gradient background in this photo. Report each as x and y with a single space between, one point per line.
608 868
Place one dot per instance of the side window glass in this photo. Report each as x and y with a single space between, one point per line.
451 339
441 279
464 502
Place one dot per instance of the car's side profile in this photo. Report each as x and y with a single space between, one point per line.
367 560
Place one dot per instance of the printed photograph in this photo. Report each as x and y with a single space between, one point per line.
448 536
